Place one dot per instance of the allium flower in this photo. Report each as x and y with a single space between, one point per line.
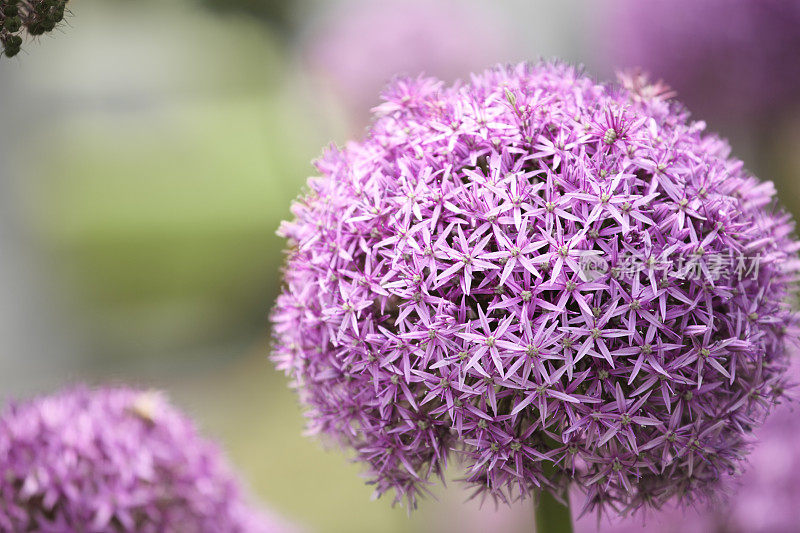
114 460
763 500
35 17
728 59
361 45
437 298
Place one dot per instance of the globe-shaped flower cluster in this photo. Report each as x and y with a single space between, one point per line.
115 460
557 280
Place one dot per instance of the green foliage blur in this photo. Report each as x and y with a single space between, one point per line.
278 14
165 224
162 219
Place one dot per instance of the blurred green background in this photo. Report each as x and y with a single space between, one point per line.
149 151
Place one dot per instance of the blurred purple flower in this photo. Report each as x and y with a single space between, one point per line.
115 459
731 60
669 519
435 299
361 44
763 500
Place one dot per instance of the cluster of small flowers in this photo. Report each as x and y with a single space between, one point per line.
34 16
433 302
763 500
114 460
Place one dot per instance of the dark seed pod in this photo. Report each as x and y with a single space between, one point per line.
12 45
12 24
36 28
36 17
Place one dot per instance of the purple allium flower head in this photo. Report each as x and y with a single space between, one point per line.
115 459
437 298
733 60
763 500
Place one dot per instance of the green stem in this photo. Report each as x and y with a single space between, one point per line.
552 516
